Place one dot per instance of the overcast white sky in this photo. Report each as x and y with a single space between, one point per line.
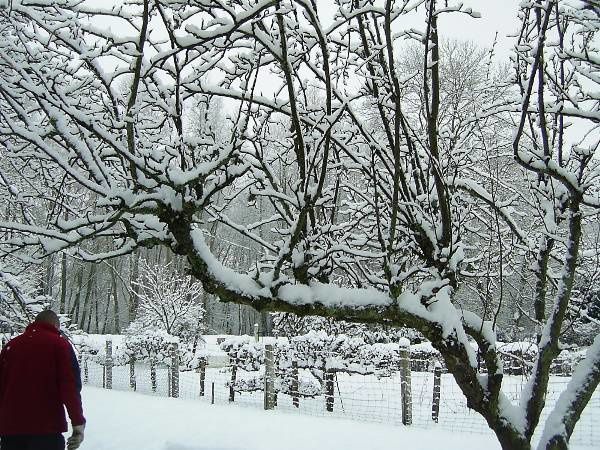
497 16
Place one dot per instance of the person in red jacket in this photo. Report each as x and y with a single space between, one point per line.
39 374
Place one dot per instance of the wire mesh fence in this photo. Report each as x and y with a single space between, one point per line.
353 396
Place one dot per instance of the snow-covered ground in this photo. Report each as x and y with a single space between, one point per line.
361 398
131 421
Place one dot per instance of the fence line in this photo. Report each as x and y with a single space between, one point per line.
419 393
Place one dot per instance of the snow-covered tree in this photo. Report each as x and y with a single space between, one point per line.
18 306
168 301
380 217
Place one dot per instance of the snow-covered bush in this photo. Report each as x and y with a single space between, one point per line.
84 345
249 356
191 356
307 384
567 361
141 345
517 357
93 348
145 344
341 353
290 325
244 352
168 301
301 361
18 305
423 357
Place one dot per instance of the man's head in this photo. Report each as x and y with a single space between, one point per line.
48 316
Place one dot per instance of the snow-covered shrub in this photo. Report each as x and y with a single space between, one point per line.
253 383
84 345
311 349
423 357
18 304
308 385
119 356
168 301
244 352
311 355
341 353
517 357
149 344
566 361
385 358
249 356
290 325
93 348
191 356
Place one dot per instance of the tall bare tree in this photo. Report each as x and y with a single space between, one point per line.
374 226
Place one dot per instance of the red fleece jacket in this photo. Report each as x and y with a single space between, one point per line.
38 375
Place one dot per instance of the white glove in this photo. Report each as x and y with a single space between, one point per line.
76 438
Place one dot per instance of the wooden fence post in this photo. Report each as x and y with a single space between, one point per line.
232 382
153 373
437 382
295 384
202 370
276 374
405 384
329 389
132 381
86 372
175 370
269 400
169 386
109 364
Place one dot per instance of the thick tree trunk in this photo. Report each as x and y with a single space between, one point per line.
510 439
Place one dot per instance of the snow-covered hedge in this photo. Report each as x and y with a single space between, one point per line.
244 352
150 344
143 346
312 354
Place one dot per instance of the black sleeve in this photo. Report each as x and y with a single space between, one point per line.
76 369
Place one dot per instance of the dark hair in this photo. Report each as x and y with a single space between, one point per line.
48 316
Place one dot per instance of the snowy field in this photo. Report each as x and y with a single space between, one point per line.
357 398
129 421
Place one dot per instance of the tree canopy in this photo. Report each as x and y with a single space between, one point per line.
374 191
